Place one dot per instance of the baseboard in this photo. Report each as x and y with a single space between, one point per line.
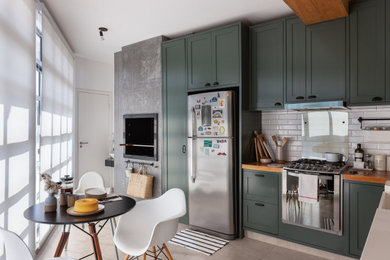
294 246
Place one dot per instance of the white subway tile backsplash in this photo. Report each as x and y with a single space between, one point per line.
288 124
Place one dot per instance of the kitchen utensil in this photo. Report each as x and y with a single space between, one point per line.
266 154
256 149
334 157
380 162
279 154
96 193
267 160
269 150
275 139
284 141
388 163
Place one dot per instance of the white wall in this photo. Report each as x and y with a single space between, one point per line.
95 76
289 124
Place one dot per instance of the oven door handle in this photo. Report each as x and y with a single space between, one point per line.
293 174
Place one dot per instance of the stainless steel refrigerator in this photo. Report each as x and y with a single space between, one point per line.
211 163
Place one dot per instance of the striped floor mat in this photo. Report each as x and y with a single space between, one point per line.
198 241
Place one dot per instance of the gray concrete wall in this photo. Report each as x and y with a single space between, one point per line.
137 90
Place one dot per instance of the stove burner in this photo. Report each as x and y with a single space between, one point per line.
317 166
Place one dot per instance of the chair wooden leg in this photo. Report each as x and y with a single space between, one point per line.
154 252
127 257
144 257
167 252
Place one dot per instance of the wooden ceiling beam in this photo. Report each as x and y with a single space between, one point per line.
315 11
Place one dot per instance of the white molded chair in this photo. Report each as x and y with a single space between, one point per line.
15 248
90 180
150 223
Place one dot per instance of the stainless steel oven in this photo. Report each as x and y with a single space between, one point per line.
325 214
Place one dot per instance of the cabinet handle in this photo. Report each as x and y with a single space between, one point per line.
184 148
300 97
278 104
207 85
377 99
259 175
259 204
311 97
216 83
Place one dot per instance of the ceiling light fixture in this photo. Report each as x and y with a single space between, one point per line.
101 30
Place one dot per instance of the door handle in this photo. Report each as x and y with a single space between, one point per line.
184 148
259 204
81 144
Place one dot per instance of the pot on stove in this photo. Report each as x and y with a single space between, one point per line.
334 157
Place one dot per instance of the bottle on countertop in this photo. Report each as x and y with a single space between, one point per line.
359 153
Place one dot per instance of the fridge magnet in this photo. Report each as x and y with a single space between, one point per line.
217 113
200 128
198 101
197 106
222 130
208 143
221 103
206 151
216 146
221 154
208 132
214 99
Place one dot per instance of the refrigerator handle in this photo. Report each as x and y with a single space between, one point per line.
194 126
192 159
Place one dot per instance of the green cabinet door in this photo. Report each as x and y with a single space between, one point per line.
296 60
261 216
261 186
175 114
267 65
200 61
326 61
227 56
367 48
363 202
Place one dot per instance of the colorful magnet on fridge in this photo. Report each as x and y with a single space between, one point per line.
221 103
197 106
222 154
208 143
222 130
206 151
200 128
214 99
208 133
216 146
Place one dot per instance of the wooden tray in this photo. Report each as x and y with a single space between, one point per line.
71 211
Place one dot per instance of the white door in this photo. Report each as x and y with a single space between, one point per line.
94 133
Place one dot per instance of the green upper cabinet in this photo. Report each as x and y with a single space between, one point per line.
267 54
363 202
326 61
227 57
214 58
200 62
296 60
368 52
174 115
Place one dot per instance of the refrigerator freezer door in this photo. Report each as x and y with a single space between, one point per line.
211 184
211 114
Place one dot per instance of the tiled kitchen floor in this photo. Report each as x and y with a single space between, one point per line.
248 249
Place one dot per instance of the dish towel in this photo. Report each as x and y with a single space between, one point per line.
308 188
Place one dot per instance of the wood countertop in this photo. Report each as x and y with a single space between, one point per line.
368 176
262 167
361 175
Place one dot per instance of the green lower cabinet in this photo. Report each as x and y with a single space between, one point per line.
261 216
363 202
261 201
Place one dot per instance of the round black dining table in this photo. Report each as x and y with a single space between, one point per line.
112 209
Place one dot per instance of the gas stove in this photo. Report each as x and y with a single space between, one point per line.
317 166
